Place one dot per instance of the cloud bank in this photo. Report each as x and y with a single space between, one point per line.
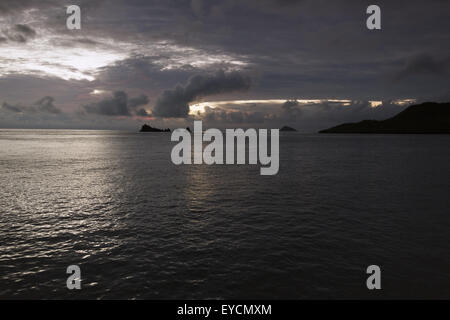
43 105
119 105
174 103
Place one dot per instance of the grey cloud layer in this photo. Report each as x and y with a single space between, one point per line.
43 105
424 64
18 33
174 103
118 105
291 49
303 117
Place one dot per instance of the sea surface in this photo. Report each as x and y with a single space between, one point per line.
140 227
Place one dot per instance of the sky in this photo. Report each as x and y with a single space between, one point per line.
309 64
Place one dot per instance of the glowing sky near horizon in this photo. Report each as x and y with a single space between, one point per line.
200 107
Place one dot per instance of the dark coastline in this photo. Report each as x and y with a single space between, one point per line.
425 118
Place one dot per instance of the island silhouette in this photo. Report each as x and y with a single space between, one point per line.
428 117
287 128
147 128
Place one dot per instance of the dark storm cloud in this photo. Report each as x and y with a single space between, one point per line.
46 105
142 74
424 64
43 105
25 30
19 33
118 105
12 108
174 103
291 109
321 49
135 103
115 106
142 100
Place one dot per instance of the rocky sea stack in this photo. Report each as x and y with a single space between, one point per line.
286 128
147 128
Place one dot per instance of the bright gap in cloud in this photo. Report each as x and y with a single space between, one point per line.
200 107
40 58
67 58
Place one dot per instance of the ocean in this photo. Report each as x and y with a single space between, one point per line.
140 227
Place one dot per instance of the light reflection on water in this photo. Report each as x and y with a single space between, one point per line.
140 227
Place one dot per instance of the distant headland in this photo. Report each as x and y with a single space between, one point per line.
429 117
147 128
